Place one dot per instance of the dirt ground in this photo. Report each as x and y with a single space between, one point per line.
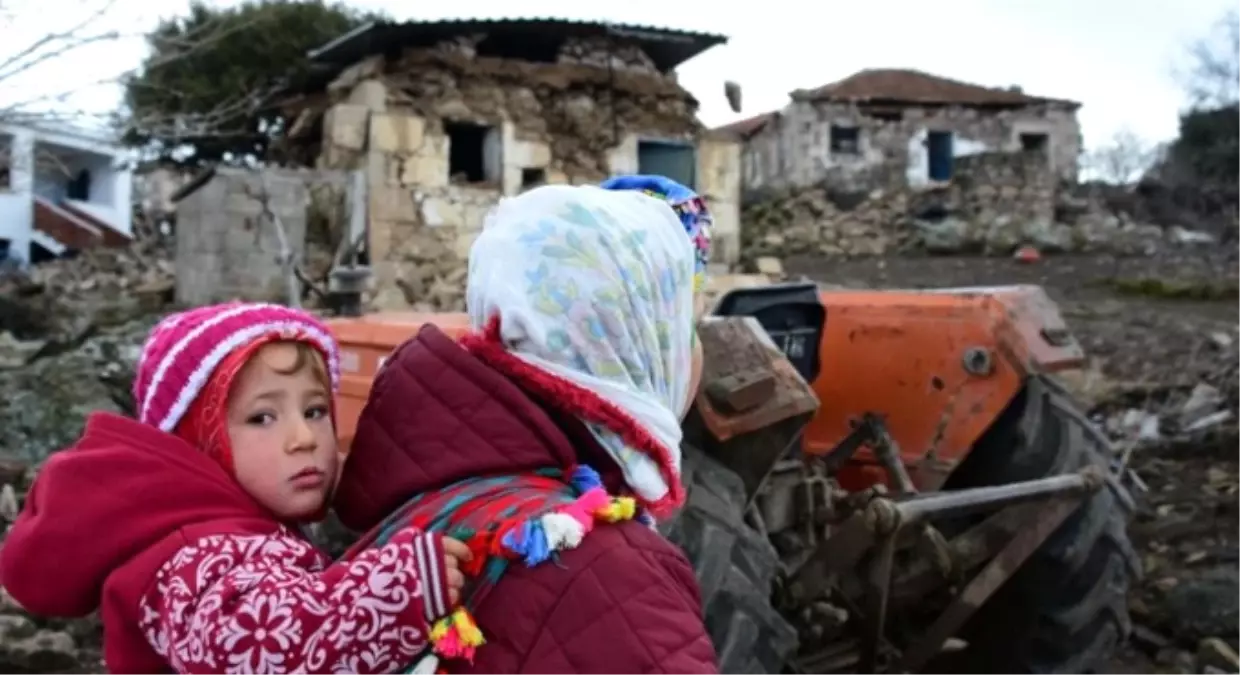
1149 343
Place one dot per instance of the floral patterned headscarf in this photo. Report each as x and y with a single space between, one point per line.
688 205
595 287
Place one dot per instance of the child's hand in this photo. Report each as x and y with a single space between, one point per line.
456 554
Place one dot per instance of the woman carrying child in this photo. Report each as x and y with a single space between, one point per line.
549 440
181 526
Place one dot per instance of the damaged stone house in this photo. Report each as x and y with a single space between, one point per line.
446 117
900 127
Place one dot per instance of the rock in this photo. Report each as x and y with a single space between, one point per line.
15 353
47 402
1214 652
43 652
1205 605
770 266
1181 235
1203 401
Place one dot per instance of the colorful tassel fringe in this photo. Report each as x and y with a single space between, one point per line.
535 541
456 636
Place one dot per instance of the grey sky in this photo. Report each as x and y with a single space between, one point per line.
1115 56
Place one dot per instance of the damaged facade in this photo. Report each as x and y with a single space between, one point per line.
900 127
62 189
445 118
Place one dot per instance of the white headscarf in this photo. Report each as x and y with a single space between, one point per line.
596 287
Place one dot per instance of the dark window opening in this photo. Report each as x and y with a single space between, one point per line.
532 48
466 152
940 155
532 177
1034 142
6 160
79 187
845 140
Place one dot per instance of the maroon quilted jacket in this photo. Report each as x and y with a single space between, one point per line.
624 601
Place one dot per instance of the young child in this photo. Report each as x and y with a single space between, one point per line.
180 526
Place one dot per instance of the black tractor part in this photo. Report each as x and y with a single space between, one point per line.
1066 609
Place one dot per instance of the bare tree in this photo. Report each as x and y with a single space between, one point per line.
22 60
1211 77
1123 159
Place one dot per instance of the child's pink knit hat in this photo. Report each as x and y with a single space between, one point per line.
184 349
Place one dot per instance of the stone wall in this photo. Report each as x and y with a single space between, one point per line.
575 122
794 149
995 203
227 250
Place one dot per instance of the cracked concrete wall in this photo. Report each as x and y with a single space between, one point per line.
795 149
225 248
544 123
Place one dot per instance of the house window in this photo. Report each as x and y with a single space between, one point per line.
1034 142
845 140
473 152
532 177
6 161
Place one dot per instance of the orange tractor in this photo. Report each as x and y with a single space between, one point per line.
882 481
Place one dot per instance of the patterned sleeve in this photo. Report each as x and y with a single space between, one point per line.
270 604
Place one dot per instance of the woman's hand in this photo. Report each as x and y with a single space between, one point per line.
456 554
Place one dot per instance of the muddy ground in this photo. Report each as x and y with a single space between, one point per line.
1154 329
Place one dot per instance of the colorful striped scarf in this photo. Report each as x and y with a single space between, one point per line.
502 518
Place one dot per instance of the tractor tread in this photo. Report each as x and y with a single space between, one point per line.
735 567
1066 609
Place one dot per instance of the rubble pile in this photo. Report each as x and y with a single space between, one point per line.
46 404
65 299
32 644
427 273
995 204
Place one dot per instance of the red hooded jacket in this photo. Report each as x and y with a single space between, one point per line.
189 572
623 601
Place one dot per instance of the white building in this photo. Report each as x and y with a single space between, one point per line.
61 190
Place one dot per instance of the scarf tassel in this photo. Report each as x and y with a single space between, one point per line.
538 538
535 541
457 636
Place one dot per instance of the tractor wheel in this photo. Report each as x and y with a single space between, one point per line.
735 566
1065 610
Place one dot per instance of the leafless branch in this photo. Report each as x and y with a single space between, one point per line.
1123 160
50 107
1212 78
61 43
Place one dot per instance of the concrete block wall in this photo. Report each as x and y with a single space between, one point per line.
225 248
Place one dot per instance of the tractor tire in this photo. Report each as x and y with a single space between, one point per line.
1065 610
735 567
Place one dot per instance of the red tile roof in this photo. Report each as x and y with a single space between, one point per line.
748 126
914 87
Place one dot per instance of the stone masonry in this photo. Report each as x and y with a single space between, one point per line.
412 123
872 130
995 203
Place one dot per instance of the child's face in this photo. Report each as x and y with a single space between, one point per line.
280 428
